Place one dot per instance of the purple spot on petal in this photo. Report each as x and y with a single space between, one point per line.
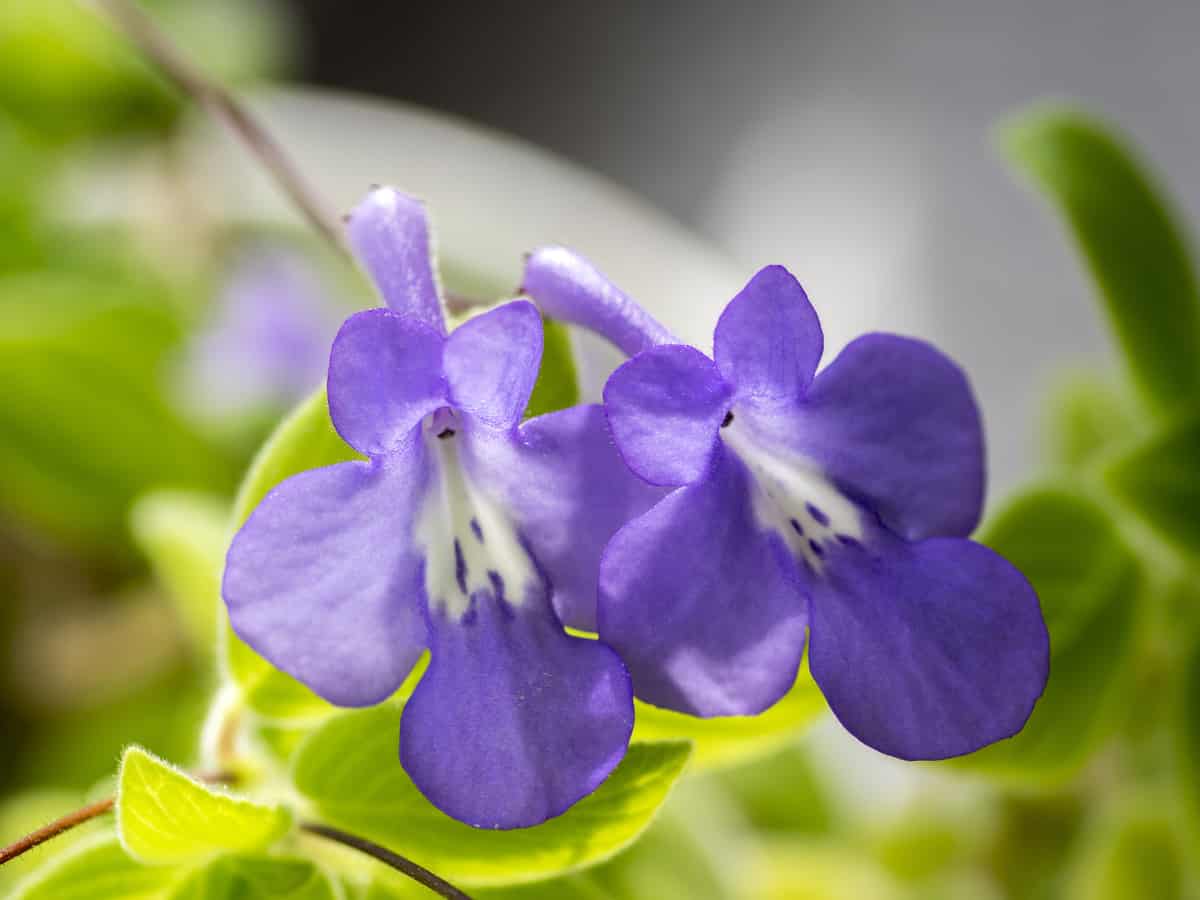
816 548
469 617
460 567
848 541
817 513
476 530
799 529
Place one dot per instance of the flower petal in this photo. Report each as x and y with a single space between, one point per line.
926 650
704 607
390 236
768 340
568 491
568 287
323 581
665 407
514 721
893 422
385 375
491 362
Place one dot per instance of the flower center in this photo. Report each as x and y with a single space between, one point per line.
793 498
472 551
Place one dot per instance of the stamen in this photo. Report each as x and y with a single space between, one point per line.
445 433
728 419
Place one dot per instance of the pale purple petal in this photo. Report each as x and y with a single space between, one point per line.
324 582
768 340
491 363
926 650
569 288
665 407
893 422
568 491
385 375
390 236
515 720
704 606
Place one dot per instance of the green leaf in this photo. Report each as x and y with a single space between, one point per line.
1086 419
257 878
184 535
85 426
304 440
1131 238
734 739
1136 852
350 772
557 385
1088 582
99 869
1186 742
163 816
1159 480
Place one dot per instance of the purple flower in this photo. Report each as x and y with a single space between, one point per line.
835 503
267 345
464 532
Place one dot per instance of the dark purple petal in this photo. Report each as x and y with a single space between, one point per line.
569 288
390 236
323 579
385 375
893 422
768 340
491 363
704 606
665 407
568 491
926 650
515 720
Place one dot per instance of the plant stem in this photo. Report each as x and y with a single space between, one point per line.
55 828
388 858
79 817
160 49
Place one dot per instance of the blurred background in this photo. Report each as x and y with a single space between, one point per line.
160 309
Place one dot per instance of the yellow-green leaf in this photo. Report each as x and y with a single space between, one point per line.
163 816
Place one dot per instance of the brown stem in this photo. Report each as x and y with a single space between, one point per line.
158 47
55 828
400 863
79 817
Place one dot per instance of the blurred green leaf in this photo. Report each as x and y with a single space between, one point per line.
1088 582
84 425
1159 480
733 739
386 807
184 536
1086 418
557 385
69 74
1187 739
304 440
781 792
1131 238
1135 854
257 878
795 870
99 869
163 816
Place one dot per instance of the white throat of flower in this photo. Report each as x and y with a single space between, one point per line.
470 543
794 498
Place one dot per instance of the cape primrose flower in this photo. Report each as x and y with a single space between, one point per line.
835 504
464 532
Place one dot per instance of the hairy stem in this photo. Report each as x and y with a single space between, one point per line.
55 828
82 815
162 51
388 858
